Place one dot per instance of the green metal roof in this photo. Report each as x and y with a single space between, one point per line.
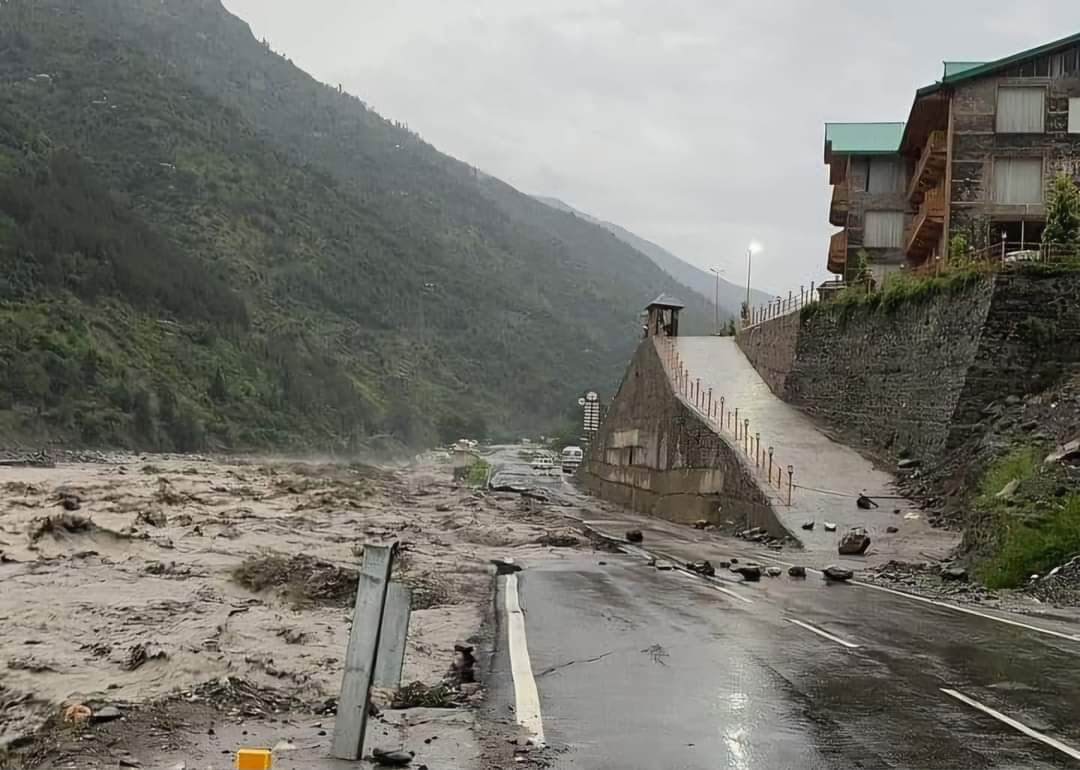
978 69
863 138
954 68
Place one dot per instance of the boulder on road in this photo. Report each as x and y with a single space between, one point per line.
634 536
892 530
774 572
701 524
830 527
855 542
833 572
750 572
808 525
797 571
954 573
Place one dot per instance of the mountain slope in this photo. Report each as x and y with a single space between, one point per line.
377 286
731 296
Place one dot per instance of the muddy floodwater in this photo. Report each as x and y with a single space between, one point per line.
194 602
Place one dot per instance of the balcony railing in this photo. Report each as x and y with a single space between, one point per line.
838 209
926 225
931 166
838 252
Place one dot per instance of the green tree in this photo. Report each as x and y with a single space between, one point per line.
1063 214
219 391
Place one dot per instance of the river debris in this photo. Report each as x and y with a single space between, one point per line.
304 580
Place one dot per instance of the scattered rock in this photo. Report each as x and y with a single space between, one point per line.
908 463
854 543
70 503
391 758
701 524
1068 453
664 566
734 560
892 530
954 573
840 574
749 572
505 566
443 508
774 572
797 571
138 654
1009 489
830 527
865 503
634 536
106 714
808 525
702 567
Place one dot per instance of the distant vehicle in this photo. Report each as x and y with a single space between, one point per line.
1027 255
544 462
571 458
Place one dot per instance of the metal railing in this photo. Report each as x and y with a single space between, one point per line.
724 418
779 306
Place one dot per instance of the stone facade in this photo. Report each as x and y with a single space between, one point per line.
656 455
976 147
916 378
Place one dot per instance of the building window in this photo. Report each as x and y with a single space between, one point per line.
1021 110
1018 180
884 230
1074 116
884 175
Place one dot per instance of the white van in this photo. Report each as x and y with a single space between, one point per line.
571 458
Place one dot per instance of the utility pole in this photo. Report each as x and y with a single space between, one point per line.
751 250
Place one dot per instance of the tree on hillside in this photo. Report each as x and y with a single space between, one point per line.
1063 214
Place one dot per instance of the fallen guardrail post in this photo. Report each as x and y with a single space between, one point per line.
380 625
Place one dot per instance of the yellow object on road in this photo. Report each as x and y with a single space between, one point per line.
253 759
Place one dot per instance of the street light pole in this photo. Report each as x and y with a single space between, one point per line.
716 300
752 249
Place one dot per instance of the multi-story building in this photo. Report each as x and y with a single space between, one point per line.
977 157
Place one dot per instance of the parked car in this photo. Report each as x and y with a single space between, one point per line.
571 458
544 462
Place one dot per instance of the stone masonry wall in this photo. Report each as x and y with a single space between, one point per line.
917 377
654 454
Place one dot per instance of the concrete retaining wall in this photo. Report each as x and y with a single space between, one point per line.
655 455
917 377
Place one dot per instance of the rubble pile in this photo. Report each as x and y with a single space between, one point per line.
1059 587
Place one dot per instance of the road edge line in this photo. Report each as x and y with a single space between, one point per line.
526 696
1019 726
825 634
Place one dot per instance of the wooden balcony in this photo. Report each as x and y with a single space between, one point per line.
838 253
931 166
838 209
925 229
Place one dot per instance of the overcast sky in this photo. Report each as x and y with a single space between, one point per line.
697 124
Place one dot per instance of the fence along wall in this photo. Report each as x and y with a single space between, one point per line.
657 455
918 376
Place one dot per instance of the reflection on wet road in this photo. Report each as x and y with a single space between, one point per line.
641 668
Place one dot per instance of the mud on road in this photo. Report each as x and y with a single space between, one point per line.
199 605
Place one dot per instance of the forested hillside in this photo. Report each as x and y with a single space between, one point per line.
200 245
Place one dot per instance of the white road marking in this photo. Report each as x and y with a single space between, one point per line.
1064 749
826 634
732 594
526 697
969 611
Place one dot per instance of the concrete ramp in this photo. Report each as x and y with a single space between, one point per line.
827 476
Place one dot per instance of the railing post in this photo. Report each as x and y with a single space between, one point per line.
770 464
811 291
757 449
708 407
746 437
721 412
790 471
736 423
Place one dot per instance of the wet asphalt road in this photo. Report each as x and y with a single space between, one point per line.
641 668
